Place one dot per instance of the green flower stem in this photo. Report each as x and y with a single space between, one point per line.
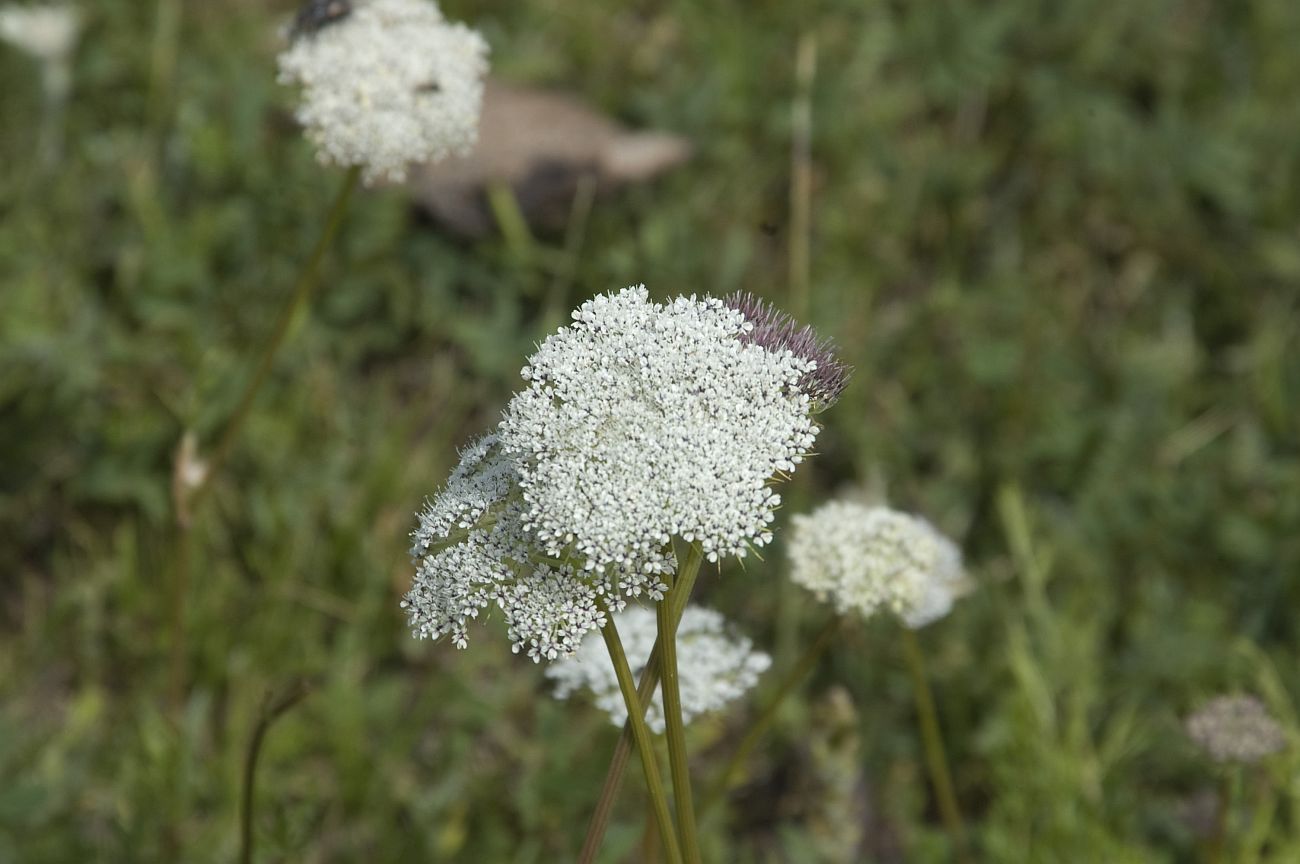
180 589
162 67
272 710
1250 845
687 569
186 499
644 743
792 679
1216 847
301 292
614 775
676 729
935 758
685 582
650 838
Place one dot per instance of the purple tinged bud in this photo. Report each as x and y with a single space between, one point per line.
776 331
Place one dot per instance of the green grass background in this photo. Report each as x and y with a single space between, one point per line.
1059 242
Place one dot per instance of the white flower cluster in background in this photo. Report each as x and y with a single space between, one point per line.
48 33
643 421
1236 729
864 558
387 84
715 667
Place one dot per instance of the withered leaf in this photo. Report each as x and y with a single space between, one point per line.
542 144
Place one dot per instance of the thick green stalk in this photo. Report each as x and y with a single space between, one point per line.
676 729
936 759
618 763
685 582
787 686
650 838
644 743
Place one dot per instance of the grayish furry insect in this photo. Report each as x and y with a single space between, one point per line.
316 14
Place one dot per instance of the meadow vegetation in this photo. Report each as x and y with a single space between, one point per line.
1059 242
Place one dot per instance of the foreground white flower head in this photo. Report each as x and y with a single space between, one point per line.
48 33
387 83
864 558
643 421
714 666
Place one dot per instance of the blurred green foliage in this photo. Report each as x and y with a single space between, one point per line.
1059 241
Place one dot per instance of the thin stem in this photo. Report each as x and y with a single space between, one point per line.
618 763
56 83
186 494
302 290
575 233
272 710
1251 842
162 67
179 644
676 729
644 744
801 174
1218 842
685 582
760 726
932 739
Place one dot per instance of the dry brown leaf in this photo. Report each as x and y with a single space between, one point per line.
542 143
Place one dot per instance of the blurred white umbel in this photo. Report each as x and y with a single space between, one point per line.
386 83
48 33
864 558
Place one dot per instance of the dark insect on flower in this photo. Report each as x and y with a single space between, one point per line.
429 87
315 14
776 331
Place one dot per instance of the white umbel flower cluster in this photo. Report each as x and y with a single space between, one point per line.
714 667
471 551
48 33
1236 729
641 422
644 421
388 84
864 558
